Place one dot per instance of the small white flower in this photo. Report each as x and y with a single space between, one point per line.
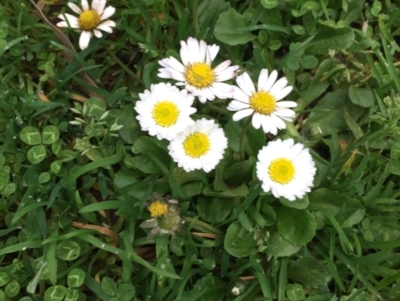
200 146
164 111
235 291
196 72
90 20
266 106
286 169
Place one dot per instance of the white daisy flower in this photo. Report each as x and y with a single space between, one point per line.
200 146
286 169
266 104
164 111
196 73
90 20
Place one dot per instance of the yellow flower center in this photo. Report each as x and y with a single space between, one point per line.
200 75
281 171
196 145
263 103
158 208
165 113
88 20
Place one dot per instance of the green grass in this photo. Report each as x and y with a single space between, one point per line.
77 173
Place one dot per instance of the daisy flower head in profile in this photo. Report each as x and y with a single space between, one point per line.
200 146
265 104
286 169
90 20
164 110
195 71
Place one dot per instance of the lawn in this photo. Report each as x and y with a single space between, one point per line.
208 150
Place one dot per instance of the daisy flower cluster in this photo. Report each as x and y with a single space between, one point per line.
165 111
284 167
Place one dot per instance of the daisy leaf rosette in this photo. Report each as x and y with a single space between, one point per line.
195 71
90 20
164 110
200 146
286 169
265 105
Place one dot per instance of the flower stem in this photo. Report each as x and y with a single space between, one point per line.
246 125
196 17
217 109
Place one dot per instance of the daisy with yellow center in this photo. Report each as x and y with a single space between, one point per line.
158 208
164 111
195 71
90 20
200 146
266 105
286 169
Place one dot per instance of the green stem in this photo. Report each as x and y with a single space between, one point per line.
291 130
196 17
242 154
202 224
217 109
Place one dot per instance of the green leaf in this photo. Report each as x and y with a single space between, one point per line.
56 166
240 191
309 272
4 176
68 250
146 145
329 112
212 287
280 247
347 211
126 292
227 27
331 38
4 278
94 107
146 164
50 134
12 289
76 278
268 4
109 286
297 226
2 295
44 177
298 203
9 189
30 135
240 172
295 292
361 96
309 61
55 293
238 241
72 295
36 154
214 210
94 130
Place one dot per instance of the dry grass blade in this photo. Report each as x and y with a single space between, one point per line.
99 229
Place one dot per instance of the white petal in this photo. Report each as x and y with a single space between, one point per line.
285 113
184 53
74 7
286 104
213 51
70 19
225 75
174 63
266 124
223 89
202 51
238 94
85 5
194 48
256 121
105 28
278 122
249 83
283 93
84 39
278 86
109 23
242 114
97 33
240 81
271 80
100 7
235 105
222 66
108 12
262 79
